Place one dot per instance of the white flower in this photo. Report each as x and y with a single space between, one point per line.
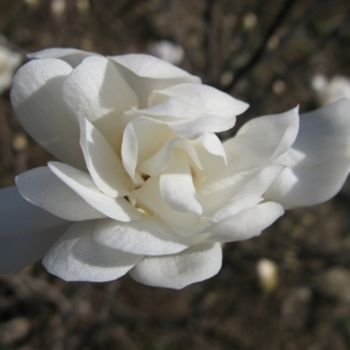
143 185
9 61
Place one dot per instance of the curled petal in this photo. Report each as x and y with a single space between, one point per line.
147 73
36 97
77 257
41 187
82 184
147 236
194 264
32 219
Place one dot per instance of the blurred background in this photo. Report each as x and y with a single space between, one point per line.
287 289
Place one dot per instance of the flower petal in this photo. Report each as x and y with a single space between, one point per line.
223 187
231 209
318 161
184 223
192 265
17 216
102 162
17 252
82 184
247 223
262 139
186 120
323 134
204 97
260 182
69 55
312 185
156 164
217 110
147 73
36 97
211 152
176 185
41 187
147 236
96 90
142 138
76 257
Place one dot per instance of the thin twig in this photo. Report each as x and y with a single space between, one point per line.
211 44
261 49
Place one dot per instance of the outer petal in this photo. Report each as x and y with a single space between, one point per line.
76 257
323 134
262 140
36 97
69 55
147 73
194 264
305 186
318 161
246 224
96 90
41 187
103 164
17 252
147 236
82 184
18 217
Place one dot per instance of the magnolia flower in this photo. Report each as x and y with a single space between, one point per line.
9 61
141 183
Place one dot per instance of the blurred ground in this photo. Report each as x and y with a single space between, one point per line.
265 53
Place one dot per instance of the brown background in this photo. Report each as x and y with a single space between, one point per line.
270 65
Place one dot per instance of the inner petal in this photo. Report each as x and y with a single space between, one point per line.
143 137
176 185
